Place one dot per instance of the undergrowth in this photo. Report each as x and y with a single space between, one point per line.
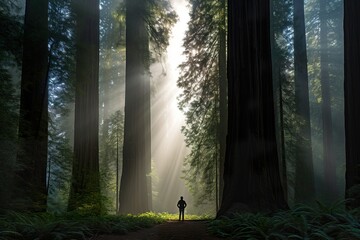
46 226
300 222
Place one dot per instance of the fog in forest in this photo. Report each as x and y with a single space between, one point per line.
307 50
168 146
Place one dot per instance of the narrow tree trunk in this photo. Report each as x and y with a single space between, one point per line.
223 98
352 97
134 188
304 172
283 173
30 177
85 189
330 187
251 173
278 78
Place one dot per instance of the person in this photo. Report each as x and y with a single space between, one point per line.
181 205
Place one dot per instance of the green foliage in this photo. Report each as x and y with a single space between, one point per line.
160 19
334 51
300 222
111 158
199 100
61 97
77 225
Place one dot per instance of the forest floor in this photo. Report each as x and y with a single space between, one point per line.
171 230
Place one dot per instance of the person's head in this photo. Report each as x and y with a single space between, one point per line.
181 197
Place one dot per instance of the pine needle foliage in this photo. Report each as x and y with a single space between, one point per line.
199 100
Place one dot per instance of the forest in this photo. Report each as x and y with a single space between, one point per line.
110 110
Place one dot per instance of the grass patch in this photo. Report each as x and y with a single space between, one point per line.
188 217
301 222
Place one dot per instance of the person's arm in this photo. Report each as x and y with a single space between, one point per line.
185 204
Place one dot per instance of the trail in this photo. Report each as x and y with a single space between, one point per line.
172 230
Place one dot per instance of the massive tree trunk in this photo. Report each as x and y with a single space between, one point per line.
85 189
251 173
134 189
352 96
30 177
330 187
223 99
304 172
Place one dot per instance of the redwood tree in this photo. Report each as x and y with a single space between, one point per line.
30 175
352 98
304 178
251 172
134 187
85 189
328 145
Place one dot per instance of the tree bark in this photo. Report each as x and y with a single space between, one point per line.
223 98
352 97
328 153
30 177
251 172
134 188
304 172
85 186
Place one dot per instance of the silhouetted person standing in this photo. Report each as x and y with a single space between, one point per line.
181 205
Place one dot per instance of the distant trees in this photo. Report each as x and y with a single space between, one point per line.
61 97
251 174
325 65
85 185
328 142
284 93
147 25
30 179
304 178
297 56
111 97
204 98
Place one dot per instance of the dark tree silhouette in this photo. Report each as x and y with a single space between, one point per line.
30 177
85 189
304 178
352 98
251 172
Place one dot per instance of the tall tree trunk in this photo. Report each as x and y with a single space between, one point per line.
329 157
85 189
304 172
30 177
251 173
278 77
352 97
223 98
134 188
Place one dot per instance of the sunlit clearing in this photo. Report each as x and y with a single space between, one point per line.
168 146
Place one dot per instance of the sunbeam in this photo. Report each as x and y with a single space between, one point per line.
168 146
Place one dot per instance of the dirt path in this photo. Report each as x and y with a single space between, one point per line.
173 230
